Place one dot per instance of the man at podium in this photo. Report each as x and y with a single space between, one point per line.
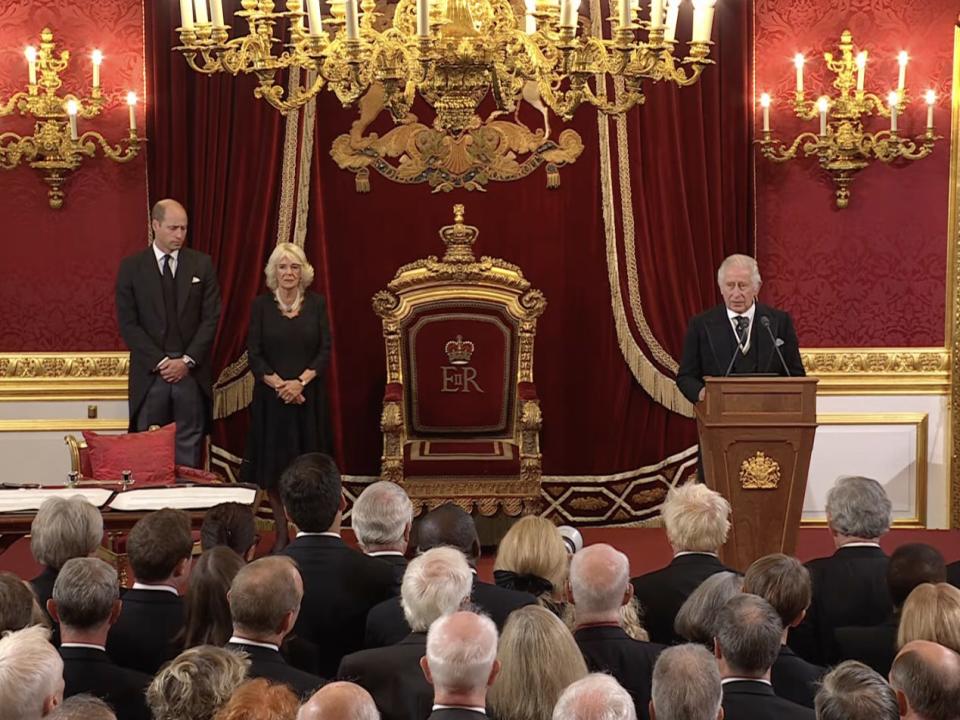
739 336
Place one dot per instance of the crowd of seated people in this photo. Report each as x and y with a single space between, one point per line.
403 628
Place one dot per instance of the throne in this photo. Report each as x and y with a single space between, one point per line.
461 418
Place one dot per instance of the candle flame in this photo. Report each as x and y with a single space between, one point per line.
823 104
903 57
97 57
72 107
31 53
931 97
862 59
799 60
765 100
131 98
893 99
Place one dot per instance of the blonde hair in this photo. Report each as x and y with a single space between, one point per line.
538 659
295 252
696 518
196 683
534 546
260 699
931 612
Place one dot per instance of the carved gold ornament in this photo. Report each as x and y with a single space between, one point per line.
759 473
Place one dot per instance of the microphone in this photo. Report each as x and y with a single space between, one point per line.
732 361
777 342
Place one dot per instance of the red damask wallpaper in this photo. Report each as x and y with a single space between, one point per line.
874 273
58 266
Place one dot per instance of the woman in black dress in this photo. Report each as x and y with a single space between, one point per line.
288 347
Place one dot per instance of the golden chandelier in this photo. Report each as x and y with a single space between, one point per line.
452 53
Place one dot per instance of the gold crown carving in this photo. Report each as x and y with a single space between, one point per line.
459 351
459 238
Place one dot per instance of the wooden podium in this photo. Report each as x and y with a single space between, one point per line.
756 436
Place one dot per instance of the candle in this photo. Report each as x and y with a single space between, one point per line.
353 30
186 15
568 13
798 61
72 110
931 98
31 54
97 59
702 20
902 59
861 69
893 100
823 104
200 10
316 19
216 10
673 12
624 13
656 14
530 22
423 18
765 104
132 104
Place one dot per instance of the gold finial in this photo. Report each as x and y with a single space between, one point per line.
459 238
459 20
458 213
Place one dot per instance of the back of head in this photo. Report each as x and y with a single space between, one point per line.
64 528
461 650
853 691
928 675
196 683
339 701
686 684
262 593
912 565
533 547
16 603
82 707
31 673
599 575
434 584
448 525
230 524
157 543
85 593
260 699
310 489
696 518
595 697
207 618
538 659
696 620
783 582
381 515
858 507
749 633
931 612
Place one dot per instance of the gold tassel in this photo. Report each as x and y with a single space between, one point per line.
553 177
363 181
233 397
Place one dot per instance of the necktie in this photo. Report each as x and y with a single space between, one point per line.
172 340
743 327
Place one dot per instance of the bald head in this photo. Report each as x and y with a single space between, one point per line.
265 597
449 525
339 701
926 678
600 579
461 653
169 223
160 209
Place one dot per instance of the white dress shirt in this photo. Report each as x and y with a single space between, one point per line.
733 324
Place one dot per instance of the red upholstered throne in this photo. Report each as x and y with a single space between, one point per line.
461 418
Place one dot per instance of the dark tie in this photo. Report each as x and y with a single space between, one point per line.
743 327
172 342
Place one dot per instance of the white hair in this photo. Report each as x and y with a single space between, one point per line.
461 650
599 575
858 507
381 514
696 518
742 261
64 528
293 252
686 684
31 672
434 584
595 697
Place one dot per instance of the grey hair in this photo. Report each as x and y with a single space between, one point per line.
434 584
743 261
696 620
853 691
196 683
858 507
749 633
31 671
596 697
932 689
599 575
263 592
461 658
686 684
64 528
381 514
85 592
82 707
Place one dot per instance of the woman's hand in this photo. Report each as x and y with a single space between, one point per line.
290 390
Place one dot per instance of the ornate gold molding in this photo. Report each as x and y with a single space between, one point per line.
879 371
64 376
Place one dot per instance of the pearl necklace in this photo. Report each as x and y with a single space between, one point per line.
292 307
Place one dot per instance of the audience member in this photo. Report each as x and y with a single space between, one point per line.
747 644
159 548
686 685
538 659
926 679
931 612
595 697
461 663
910 565
697 619
785 583
446 525
382 519
340 584
265 599
231 524
16 603
260 699
206 610
82 707
532 557
339 701
953 574
196 683
86 603
853 691
850 586
600 586
436 583
697 521
31 674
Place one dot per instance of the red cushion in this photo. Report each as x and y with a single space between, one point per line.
148 455
460 457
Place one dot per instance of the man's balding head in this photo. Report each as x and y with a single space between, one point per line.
448 525
926 678
600 579
339 701
265 597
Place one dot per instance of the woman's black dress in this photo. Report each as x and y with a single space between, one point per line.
286 346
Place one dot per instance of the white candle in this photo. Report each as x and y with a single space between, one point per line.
423 18
656 14
893 100
97 59
316 19
798 61
702 20
216 11
902 78
353 29
200 10
568 14
931 99
72 110
186 15
673 12
624 13
765 104
530 22
823 105
132 104
861 69
31 54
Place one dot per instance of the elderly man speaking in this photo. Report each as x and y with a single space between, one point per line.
739 337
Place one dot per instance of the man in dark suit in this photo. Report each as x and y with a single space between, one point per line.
265 599
600 586
461 663
168 306
339 700
382 518
340 584
86 603
445 525
852 691
436 583
159 547
696 520
686 685
746 646
850 586
926 679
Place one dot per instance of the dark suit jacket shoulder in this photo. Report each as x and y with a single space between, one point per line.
609 649
795 679
752 700
398 564
875 645
268 663
142 638
953 574
456 714
87 670
392 675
